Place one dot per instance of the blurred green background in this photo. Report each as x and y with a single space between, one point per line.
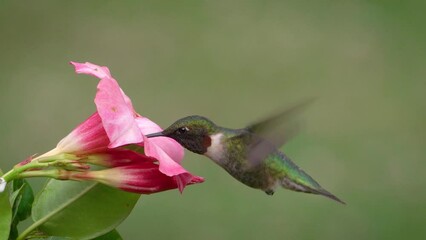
235 62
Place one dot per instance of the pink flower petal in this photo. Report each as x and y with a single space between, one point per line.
153 148
89 136
168 152
147 126
91 69
168 145
117 157
128 101
184 179
117 117
114 107
99 72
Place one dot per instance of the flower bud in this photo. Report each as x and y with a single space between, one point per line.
143 178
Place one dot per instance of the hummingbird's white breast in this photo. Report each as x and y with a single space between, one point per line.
215 151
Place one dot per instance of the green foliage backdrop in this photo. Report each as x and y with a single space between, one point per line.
236 61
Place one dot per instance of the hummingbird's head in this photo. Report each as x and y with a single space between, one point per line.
192 132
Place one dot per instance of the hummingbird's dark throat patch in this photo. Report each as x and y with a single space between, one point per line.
207 142
197 144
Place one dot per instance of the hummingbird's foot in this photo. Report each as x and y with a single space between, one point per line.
270 192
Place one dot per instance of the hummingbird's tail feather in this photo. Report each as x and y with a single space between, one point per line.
328 194
299 187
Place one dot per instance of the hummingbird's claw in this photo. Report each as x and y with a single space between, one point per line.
270 192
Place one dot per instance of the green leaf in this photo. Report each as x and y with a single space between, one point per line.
50 238
13 231
80 210
23 200
56 238
13 197
113 235
5 214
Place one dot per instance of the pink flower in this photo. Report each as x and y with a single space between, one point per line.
143 178
116 158
116 124
130 171
124 126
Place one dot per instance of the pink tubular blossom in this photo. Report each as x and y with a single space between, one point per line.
141 177
116 124
116 158
89 136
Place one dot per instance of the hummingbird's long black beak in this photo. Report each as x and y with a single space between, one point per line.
159 134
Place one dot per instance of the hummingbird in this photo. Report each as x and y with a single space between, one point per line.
251 154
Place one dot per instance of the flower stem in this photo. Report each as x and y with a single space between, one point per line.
8 175
27 231
15 172
51 173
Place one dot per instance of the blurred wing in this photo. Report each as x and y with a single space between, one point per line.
266 136
279 128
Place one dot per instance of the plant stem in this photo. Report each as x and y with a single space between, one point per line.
7 175
27 231
51 173
15 172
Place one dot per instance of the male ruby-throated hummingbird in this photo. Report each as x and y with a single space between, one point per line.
251 154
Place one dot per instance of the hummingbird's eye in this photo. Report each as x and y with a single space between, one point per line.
183 130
